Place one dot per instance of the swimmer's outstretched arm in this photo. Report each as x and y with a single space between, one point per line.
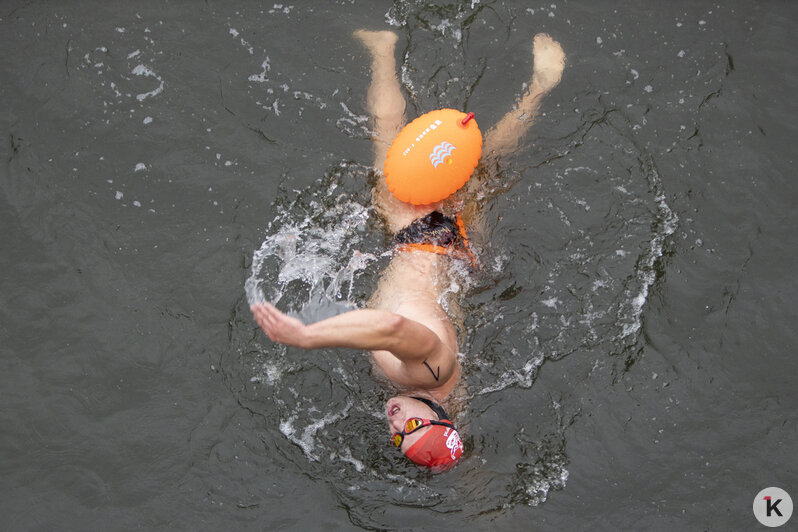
549 62
367 329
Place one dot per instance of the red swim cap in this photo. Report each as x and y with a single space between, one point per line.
439 448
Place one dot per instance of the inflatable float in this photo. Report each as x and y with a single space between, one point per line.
433 156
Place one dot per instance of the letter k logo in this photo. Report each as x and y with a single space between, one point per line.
772 506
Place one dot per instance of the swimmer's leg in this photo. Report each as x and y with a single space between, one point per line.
386 104
503 138
549 61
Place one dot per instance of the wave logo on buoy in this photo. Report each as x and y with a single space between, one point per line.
440 153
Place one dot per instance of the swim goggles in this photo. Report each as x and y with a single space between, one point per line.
415 423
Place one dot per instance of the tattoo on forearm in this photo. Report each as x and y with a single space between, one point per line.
436 376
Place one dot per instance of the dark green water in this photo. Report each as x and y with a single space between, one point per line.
629 349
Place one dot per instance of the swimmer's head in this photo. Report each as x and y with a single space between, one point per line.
423 432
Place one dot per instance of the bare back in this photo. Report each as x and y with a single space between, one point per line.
411 286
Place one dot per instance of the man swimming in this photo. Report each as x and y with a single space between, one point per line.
411 338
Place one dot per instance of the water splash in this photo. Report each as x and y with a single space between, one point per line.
305 437
664 225
315 254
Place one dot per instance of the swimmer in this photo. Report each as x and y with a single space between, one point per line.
412 340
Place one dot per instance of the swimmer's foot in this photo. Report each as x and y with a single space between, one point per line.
378 42
549 62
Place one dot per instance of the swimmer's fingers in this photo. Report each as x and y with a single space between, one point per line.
267 317
260 313
278 326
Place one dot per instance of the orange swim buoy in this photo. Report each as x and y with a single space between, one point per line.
433 156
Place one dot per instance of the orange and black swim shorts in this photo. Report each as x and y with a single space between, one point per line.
436 233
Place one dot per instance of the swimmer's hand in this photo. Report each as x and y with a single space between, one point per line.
278 326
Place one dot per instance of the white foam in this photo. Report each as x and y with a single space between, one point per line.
352 123
667 222
266 66
305 438
142 70
345 455
551 302
522 377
